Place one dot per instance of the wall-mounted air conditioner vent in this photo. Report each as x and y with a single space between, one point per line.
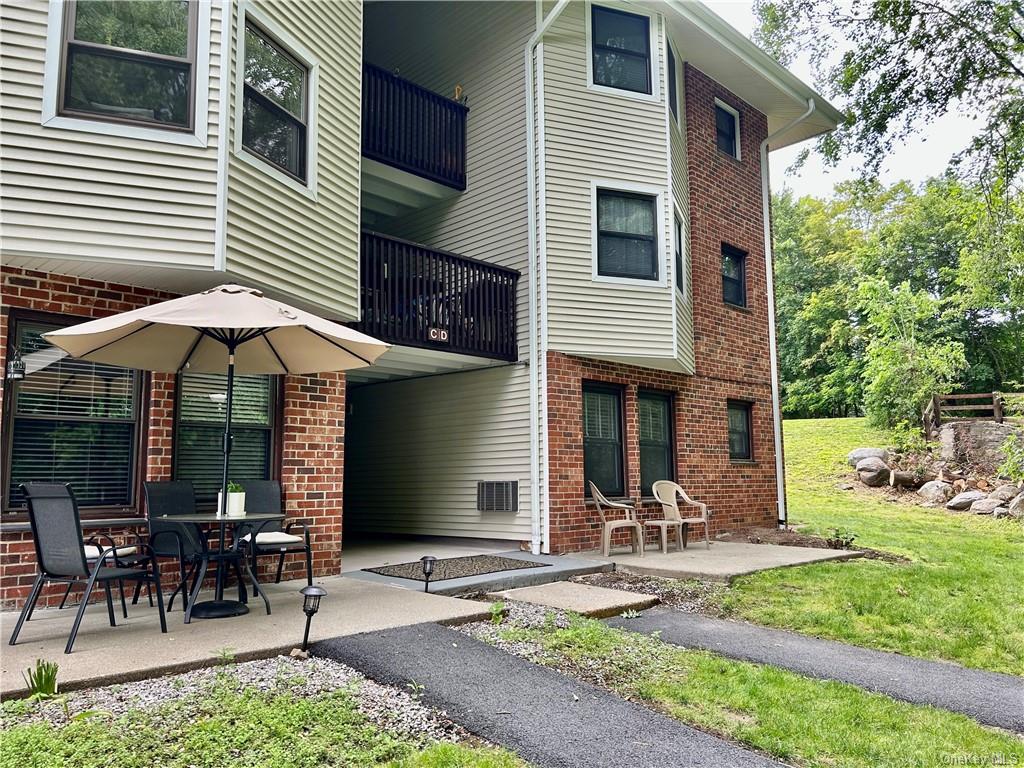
497 495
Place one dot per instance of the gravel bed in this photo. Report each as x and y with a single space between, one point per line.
456 567
388 708
517 615
690 596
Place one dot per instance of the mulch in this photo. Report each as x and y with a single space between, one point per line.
797 539
456 567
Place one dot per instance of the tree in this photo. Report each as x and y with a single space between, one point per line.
904 63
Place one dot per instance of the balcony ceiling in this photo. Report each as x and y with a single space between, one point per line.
388 192
411 362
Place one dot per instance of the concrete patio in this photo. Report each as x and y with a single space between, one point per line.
137 649
724 562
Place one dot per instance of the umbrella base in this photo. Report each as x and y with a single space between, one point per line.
218 609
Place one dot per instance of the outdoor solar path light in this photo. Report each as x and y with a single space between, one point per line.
310 604
428 568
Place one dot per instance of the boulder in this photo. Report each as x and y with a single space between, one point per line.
1016 507
999 512
1005 492
873 472
975 443
985 506
935 491
964 500
857 454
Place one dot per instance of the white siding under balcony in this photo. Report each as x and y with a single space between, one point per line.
304 242
615 139
72 195
681 201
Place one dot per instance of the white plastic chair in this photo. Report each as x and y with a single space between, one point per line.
611 525
666 492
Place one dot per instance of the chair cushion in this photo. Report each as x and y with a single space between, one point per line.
92 552
275 539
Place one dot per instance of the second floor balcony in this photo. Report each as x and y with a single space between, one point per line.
415 296
413 143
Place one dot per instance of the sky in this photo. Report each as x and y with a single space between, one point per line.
925 154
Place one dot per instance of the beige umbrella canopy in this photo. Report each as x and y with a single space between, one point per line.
226 329
196 333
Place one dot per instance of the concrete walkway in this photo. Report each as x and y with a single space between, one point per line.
547 718
136 649
725 561
988 697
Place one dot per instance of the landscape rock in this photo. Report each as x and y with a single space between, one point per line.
873 472
999 512
1005 492
1016 507
974 443
964 500
935 491
855 456
985 506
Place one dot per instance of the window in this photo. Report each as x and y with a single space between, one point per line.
602 439
274 104
626 245
656 453
198 455
734 276
71 422
673 98
727 129
739 431
131 61
677 245
621 48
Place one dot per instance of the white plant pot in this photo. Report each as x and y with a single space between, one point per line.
236 504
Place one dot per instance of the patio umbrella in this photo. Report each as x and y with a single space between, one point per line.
226 329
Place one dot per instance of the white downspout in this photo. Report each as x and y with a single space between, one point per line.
536 364
766 199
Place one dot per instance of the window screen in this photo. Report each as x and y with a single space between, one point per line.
673 98
727 131
621 50
72 422
626 245
602 439
734 279
656 454
739 431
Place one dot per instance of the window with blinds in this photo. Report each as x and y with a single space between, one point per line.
656 454
626 244
71 422
202 404
602 439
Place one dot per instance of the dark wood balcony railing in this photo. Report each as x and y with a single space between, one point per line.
413 129
420 297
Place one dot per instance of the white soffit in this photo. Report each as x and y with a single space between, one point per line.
706 41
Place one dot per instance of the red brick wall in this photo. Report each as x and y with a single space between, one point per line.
312 432
731 349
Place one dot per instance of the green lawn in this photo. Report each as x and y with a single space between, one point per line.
961 597
796 719
227 726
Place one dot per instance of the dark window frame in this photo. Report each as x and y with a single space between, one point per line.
655 276
596 47
678 254
619 391
730 251
734 117
276 429
15 318
670 399
673 86
270 105
68 41
748 408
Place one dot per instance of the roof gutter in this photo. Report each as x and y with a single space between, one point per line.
769 272
537 361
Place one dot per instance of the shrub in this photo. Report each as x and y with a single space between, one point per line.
1013 465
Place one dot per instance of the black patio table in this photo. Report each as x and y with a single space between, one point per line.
219 607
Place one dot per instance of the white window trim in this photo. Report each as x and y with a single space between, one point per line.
655 62
736 119
312 64
658 193
677 216
677 118
51 79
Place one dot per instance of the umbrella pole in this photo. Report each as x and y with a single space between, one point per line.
219 594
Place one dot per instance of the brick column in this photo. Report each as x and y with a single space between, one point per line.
312 466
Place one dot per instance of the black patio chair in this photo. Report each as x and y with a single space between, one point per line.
126 555
60 556
180 541
264 496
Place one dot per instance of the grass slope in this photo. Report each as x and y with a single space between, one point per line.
960 599
796 719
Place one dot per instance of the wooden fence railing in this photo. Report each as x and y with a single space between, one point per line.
982 406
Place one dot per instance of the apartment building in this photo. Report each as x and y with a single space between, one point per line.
555 213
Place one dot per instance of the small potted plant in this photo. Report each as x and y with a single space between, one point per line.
236 500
